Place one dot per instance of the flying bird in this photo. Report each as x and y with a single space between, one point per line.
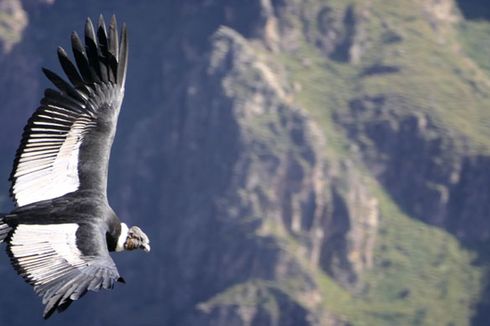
62 228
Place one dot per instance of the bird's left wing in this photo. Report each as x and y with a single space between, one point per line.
66 143
62 261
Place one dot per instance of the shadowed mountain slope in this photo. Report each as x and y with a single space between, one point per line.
317 162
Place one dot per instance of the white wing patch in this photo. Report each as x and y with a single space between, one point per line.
46 252
47 166
48 258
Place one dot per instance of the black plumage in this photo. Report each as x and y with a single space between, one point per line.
62 229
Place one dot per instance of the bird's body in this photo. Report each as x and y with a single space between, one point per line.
61 232
82 208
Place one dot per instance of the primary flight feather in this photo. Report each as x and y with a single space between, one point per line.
61 232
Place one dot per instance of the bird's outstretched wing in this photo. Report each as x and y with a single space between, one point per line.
62 261
66 143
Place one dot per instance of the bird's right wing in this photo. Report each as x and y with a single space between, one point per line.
60 270
66 143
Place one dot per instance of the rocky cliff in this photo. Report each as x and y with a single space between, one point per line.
296 162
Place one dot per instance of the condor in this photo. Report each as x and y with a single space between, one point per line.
61 232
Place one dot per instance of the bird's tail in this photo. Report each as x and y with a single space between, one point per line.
4 228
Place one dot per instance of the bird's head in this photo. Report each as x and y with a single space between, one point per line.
136 239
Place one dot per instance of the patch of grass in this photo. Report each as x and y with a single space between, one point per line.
435 77
420 270
321 86
475 38
421 275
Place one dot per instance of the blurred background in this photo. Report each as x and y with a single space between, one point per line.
317 162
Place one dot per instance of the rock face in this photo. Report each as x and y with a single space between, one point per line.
268 189
264 147
438 166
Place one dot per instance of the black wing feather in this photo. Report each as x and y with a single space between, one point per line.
81 59
64 86
113 50
92 51
123 57
53 97
113 38
102 37
70 69
103 45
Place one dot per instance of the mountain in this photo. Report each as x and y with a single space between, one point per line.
317 162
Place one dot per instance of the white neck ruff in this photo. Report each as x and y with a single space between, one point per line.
122 237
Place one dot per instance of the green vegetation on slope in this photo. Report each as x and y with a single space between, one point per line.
433 74
421 274
419 271
475 38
